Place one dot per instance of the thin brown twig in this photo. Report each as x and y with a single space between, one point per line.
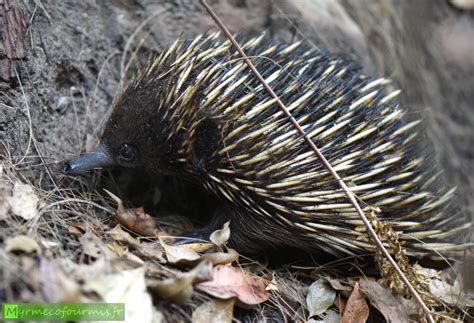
323 159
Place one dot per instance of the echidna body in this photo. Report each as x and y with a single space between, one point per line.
197 111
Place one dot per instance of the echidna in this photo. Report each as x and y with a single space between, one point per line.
196 111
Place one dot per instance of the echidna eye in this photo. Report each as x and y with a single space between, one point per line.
127 152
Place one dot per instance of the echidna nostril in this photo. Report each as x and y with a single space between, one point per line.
67 167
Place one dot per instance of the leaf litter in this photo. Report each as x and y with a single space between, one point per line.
320 297
233 282
127 258
356 309
24 202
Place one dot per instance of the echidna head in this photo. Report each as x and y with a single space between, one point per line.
133 136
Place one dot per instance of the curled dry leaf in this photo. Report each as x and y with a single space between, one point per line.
382 299
21 243
214 311
199 246
357 309
135 219
120 235
229 282
320 297
179 254
117 248
221 258
138 221
273 284
24 201
186 254
180 287
337 284
221 236
152 250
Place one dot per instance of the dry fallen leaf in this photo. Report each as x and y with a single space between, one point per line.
357 309
77 228
187 254
24 201
221 258
340 304
291 293
382 299
463 4
56 285
138 221
180 287
231 282
446 285
320 297
179 254
158 316
93 246
5 191
135 219
21 243
331 316
152 250
451 293
273 284
50 244
337 284
221 236
214 311
125 286
117 248
199 246
120 235
133 258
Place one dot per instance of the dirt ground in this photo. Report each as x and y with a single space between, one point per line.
79 53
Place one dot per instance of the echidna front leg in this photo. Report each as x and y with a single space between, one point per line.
249 233
242 235
220 216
